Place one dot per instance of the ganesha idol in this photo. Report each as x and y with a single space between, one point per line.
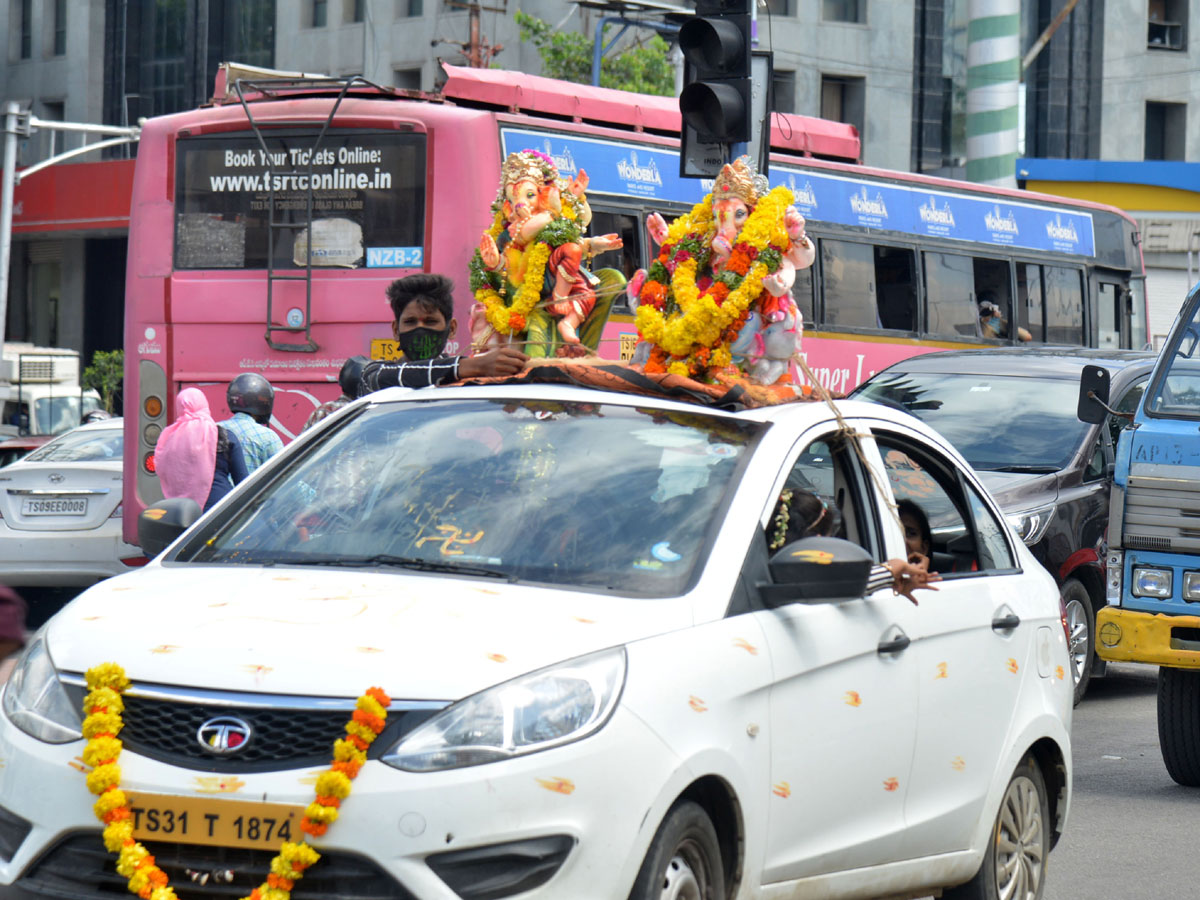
528 274
717 303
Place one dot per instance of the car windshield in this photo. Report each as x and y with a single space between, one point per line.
81 446
54 415
595 496
998 422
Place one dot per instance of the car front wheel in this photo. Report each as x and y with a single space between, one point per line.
1080 625
684 861
1014 865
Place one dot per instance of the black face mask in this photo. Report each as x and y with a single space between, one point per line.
422 343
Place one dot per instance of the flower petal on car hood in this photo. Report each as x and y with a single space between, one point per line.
334 633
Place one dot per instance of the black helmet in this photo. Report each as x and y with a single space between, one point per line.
96 415
252 394
351 374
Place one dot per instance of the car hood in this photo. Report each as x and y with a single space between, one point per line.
337 632
1018 491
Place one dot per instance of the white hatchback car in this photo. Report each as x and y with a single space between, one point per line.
60 511
604 684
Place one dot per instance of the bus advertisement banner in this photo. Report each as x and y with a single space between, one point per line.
368 197
624 169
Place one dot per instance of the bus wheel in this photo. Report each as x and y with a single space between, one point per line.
1179 723
684 860
1081 626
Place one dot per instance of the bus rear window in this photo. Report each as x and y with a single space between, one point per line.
368 200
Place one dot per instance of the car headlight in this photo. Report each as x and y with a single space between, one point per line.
34 699
1152 583
1031 524
547 708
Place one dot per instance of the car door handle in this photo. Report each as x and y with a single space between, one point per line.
1006 623
895 645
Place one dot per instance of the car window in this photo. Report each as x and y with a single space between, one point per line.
1128 403
953 527
822 496
81 446
605 497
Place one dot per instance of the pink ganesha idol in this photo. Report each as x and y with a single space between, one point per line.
770 340
531 260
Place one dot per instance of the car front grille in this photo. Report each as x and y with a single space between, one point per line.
287 732
79 868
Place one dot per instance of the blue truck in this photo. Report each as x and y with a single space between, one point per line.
1152 560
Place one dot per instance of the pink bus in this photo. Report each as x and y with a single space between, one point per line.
266 225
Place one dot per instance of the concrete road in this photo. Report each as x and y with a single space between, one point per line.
1133 832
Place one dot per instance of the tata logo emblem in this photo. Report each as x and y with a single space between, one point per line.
56 478
224 735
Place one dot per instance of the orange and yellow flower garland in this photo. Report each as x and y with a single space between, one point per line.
102 710
697 336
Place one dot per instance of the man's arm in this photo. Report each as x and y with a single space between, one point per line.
378 374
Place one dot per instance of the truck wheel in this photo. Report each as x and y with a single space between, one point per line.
1179 723
1081 625
684 860
1014 861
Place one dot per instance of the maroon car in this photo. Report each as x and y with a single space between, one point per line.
13 449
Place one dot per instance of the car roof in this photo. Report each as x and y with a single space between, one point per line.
29 441
1025 361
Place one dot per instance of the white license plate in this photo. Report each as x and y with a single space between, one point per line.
54 506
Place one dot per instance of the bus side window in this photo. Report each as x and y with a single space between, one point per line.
1029 300
802 293
950 307
1106 316
1064 305
848 279
895 273
627 260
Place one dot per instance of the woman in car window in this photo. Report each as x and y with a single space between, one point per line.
918 538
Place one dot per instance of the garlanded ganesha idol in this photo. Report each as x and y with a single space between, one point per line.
716 305
528 276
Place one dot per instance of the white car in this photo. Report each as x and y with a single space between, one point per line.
603 683
60 511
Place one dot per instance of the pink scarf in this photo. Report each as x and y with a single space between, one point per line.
186 454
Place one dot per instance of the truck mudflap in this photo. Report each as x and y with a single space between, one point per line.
1123 635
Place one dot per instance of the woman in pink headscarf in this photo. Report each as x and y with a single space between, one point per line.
195 457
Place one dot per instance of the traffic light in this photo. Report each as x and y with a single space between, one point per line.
716 98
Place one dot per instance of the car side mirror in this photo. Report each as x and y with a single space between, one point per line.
816 570
1093 395
162 522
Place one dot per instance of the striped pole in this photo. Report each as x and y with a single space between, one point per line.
993 82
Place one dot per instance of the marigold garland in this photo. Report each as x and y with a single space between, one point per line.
102 710
690 325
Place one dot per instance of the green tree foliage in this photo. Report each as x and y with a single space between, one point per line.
104 376
567 55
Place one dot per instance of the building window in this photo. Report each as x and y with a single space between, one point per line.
783 90
844 10
26 29
355 10
781 7
410 9
320 13
409 79
60 27
1167 26
843 99
1165 130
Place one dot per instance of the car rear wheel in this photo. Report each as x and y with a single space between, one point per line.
1179 724
684 861
1081 620
1014 864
